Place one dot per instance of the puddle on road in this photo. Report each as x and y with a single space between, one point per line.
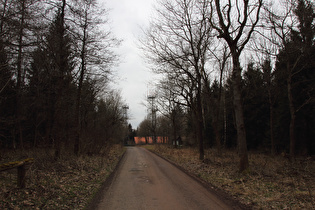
142 164
145 179
135 170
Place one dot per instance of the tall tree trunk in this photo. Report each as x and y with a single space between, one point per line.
224 121
200 135
60 86
292 114
174 130
239 114
77 115
79 91
268 80
19 76
199 120
217 127
272 139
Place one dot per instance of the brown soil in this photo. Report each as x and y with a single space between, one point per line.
68 183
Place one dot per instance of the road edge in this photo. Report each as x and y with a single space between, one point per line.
99 194
235 204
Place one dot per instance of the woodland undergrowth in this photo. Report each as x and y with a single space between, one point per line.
68 183
272 182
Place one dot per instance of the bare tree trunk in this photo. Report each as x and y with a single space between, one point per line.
268 80
174 130
217 126
19 76
61 64
200 125
239 115
224 121
272 139
78 101
292 114
232 32
77 115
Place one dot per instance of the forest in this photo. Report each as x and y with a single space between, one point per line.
56 66
236 77
235 74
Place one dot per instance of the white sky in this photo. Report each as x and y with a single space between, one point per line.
127 17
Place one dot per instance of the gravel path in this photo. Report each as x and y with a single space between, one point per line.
144 181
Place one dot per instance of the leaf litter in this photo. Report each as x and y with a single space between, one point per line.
69 183
272 182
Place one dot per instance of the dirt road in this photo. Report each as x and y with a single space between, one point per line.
145 181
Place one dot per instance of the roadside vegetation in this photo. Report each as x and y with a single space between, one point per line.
244 83
271 182
56 102
237 77
68 183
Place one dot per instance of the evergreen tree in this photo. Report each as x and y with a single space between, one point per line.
51 81
295 76
7 100
255 106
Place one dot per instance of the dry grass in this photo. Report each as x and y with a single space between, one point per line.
270 183
68 183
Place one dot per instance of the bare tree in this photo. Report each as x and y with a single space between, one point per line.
235 22
17 31
144 129
95 48
293 21
177 43
170 107
221 57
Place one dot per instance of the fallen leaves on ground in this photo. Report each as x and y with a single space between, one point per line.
270 183
68 183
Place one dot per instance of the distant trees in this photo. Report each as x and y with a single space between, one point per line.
93 49
262 104
144 129
55 66
178 43
171 111
237 34
295 66
256 109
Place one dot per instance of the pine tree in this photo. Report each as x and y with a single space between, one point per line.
52 76
256 106
295 66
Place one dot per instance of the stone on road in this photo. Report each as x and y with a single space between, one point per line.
145 181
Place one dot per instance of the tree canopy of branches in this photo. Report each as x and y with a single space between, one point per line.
235 22
56 59
267 101
177 43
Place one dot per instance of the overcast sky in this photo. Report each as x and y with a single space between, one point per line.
127 17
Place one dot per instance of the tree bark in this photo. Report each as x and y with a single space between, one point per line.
272 139
79 91
292 114
174 129
239 113
232 32
19 76
217 127
199 119
61 64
